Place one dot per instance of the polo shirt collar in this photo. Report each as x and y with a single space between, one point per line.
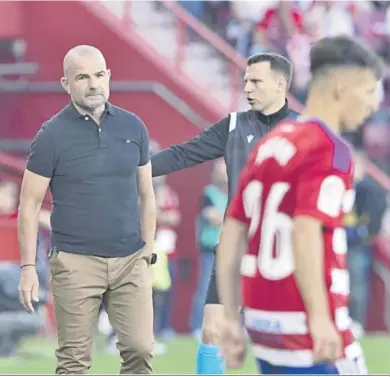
73 113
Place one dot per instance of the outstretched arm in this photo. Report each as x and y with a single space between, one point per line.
208 145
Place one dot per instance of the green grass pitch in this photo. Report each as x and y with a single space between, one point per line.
38 358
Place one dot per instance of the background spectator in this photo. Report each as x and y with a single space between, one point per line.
15 322
362 226
168 217
208 229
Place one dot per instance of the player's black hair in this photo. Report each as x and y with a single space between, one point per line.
277 63
343 51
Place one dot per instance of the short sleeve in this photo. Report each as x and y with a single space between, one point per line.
320 192
42 159
144 145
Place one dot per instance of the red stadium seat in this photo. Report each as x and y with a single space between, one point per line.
9 240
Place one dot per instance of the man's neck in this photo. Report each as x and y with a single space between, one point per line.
274 107
318 106
273 116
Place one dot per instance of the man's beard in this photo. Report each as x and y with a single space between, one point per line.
92 105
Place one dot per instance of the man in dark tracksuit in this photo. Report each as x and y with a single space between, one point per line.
363 225
267 80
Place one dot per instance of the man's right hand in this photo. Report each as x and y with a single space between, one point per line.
28 288
233 343
327 341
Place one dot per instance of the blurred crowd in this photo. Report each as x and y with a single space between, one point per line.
290 27
15 322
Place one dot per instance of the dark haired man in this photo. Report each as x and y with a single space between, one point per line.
289 209
267 80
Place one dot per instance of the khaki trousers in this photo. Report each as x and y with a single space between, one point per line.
79 284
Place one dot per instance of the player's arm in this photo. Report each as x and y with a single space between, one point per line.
208 145
319 197
309 265
40 167
319 194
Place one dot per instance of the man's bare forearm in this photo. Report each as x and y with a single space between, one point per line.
309 265
229 254
28 223
148 219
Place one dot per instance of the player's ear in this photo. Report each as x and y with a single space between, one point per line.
282 85
338 88
65 84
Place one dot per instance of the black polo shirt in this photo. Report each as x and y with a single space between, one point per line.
93 171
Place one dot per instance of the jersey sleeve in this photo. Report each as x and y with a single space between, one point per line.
320 190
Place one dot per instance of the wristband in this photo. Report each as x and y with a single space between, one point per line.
27 265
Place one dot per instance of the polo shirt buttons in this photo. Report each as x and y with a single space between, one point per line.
86 118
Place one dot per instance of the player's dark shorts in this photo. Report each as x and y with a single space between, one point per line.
212 293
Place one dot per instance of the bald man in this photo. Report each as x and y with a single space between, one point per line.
90 96
95 158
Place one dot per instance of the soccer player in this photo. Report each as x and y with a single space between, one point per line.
289 206
267 80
